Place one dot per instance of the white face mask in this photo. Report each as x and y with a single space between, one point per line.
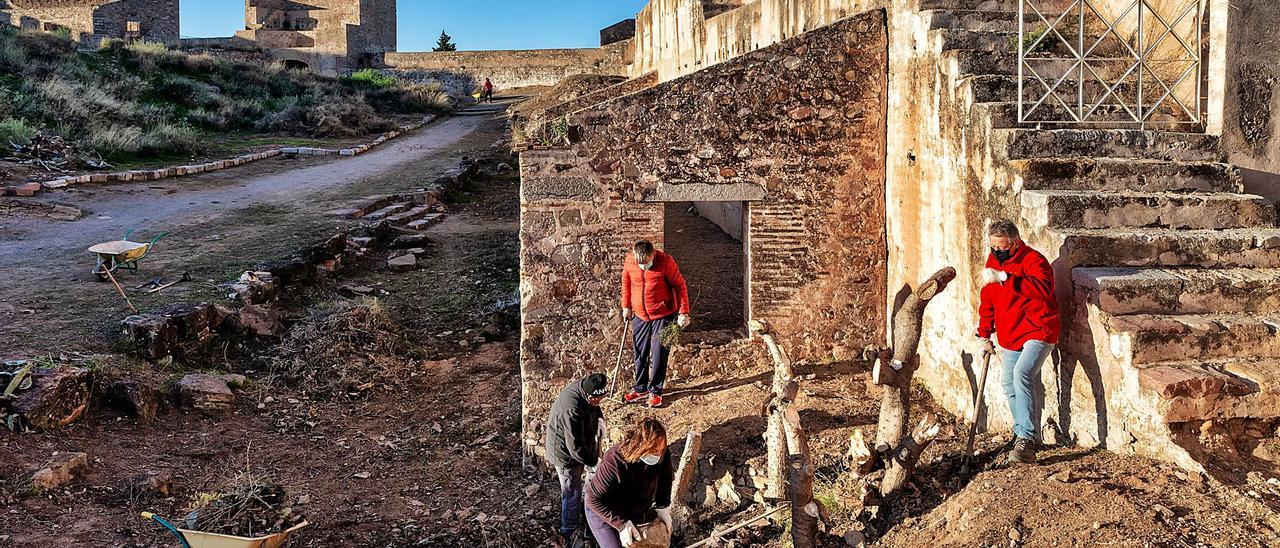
646 266
651 459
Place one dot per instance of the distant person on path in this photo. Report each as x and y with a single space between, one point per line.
631 487
487 91
574 431
1019 306
653 295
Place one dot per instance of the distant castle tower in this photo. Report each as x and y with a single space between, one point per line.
328 36
92 21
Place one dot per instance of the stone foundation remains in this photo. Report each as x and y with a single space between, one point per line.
806 161
92 21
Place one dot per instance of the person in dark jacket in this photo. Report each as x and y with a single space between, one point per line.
631 487
654 294
574 431
1019 306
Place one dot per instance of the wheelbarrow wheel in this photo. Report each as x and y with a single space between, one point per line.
104 267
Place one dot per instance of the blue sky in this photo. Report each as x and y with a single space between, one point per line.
478 24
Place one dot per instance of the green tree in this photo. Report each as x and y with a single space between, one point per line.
445 43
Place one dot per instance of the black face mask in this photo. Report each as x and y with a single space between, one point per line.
1002 255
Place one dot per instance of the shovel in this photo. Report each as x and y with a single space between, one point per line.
977 403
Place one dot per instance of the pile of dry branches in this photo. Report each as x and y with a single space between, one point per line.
345 348
250 506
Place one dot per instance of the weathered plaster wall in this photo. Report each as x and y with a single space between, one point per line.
678 37
508 68
1251 121
809 160
92 21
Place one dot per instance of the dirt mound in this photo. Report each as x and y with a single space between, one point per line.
347 348
1084 499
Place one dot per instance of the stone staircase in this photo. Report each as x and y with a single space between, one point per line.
416 211
1170 273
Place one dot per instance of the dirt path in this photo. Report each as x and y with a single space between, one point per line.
219 225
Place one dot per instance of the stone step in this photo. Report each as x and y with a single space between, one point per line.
976 5
996 21
957 39
975 61
408 216
1245 248
1197 391
1128 290
1109 143
1004 115
1001 88
1175 210
1156 338
389 210
426 221
1136 175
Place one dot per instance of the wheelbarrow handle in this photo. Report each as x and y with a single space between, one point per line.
181 537
156 239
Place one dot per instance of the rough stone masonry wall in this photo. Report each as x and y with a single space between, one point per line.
91 21
754 127
461 72
1251 123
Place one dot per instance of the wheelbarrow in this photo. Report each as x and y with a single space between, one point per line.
198 539
120 254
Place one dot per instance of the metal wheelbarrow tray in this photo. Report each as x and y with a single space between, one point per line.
199 539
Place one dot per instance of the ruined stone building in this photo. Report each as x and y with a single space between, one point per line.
92 21
829 154
328 36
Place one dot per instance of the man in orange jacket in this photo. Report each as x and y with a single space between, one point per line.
653 295
1019 306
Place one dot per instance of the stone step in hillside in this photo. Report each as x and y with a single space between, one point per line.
981 40
1053 115
975 61
1108 143
1156 338
426 221
1176 210
1245 248
1002 88
406 217
978 5
390 210
1135 175
1196 391
996 21
365 206
1120 290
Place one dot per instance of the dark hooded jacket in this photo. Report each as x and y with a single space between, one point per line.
572 429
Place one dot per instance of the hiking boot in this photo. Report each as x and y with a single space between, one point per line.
655 401
634 396
1024 451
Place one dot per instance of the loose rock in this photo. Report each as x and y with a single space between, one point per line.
206 394
63 468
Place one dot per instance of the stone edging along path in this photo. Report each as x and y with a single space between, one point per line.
30 189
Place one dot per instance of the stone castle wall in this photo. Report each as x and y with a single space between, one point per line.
462 71
92 21
810 162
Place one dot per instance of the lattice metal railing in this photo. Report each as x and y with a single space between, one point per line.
1110 62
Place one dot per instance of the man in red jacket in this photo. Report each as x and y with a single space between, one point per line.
653 295
1019 306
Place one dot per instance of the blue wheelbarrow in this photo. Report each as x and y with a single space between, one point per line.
198 539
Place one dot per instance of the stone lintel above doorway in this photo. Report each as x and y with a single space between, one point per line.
707 192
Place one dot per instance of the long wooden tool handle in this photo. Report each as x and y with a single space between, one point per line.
622 345
977 403
121 290
716 535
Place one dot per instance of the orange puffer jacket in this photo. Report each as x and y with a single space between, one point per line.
655 293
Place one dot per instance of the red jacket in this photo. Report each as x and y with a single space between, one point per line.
1023 308
655 293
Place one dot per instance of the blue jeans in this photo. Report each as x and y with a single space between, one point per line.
606 536
651 356
1021 380
570 498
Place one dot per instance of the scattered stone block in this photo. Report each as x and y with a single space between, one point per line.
135 398
261 321
255 287
28 189
57 397
206 394
411 240
152 483
403 263
236 381
153 336
61 470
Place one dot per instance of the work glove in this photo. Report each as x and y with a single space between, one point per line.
664 515
983 345
990 276
682 321
626 313
630 535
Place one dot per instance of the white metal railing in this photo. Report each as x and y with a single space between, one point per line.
1103 61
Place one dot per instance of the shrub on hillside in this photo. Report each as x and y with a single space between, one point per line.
165 139
114 141
371 78
15 131
342 116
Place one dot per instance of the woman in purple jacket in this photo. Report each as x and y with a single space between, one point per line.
632 485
